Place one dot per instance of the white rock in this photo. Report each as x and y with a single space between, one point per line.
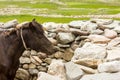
57 68
90 51
114 25
88 26
113 54
76 24
24 60
33 71
102 76
113 43
110 33
65 38
73 72
98 38
51 25
46 76
111 67
102 21
11 24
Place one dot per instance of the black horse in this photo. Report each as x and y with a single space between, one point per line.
14 42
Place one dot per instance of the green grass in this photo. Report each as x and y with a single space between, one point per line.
68 8
22 18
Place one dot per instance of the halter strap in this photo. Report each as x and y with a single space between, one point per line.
23 41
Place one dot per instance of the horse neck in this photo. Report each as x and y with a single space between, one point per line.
14 46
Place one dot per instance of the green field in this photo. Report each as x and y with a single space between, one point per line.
45 11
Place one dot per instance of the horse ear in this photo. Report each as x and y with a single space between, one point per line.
33 20
36 26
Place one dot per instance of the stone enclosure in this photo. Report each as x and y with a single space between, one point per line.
88 50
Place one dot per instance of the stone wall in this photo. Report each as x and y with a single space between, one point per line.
88 50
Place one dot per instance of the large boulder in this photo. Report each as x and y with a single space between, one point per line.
89 55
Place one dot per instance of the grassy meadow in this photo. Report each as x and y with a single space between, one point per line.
62 11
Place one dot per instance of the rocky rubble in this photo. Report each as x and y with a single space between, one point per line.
88 50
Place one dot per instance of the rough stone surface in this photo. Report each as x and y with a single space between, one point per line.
46 76
22 74
65 37
73 72
102 76
113 54
113 66
24 60
86 50
110 33
98 38
57 68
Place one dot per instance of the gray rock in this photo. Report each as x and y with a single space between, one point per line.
24 60
26 53
22 74
57 68
76 24
111 67
98 38
102 76
46 76
73 72
114 25
88 26
113 43
90 51
65 38
102 21
89 55
97 31
33 53
10 24
33 71
41 68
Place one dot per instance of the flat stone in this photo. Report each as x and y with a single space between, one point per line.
76 24
73 72
98 38
102 76
46 76
57 68
24 60
110 33
110 67
113 54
